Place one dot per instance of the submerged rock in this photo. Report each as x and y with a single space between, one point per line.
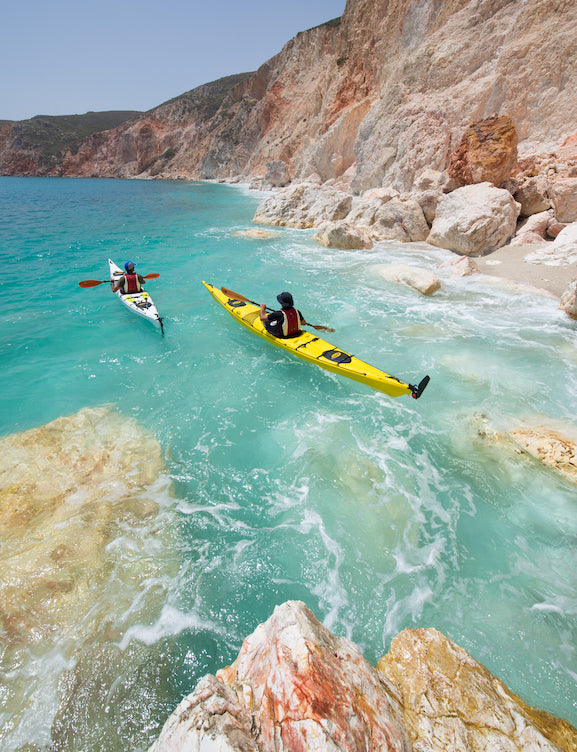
257 234
550 447
87 550
421 280
294 687
553 445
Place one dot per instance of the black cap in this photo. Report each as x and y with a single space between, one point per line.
285 299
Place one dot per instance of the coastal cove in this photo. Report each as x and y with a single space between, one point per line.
252 478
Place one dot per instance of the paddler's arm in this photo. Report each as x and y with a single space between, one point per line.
263 313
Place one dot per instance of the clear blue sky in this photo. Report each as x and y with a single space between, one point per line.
65 57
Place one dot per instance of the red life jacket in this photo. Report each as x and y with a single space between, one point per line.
131 283
291 323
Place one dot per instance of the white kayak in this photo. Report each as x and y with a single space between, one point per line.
140 302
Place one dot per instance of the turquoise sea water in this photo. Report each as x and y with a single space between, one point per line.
287 481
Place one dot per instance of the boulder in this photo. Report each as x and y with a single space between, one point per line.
421 280
562 251
384 194
532 194
428 201
537 223
342 235
533 230
400 218
277 173
303 205
294 686
431 180
569 300
462 266
487 152
474 220
563 194
554 227
528 237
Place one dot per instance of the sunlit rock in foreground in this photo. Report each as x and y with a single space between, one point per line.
452 702
86 533
297 687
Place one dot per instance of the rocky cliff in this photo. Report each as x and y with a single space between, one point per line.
38 145
370 99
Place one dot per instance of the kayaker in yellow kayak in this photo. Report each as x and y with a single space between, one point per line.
285 323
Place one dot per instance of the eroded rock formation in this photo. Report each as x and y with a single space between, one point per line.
295 686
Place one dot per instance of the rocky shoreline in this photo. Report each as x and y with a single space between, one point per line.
517 221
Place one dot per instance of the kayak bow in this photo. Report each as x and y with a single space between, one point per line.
311 348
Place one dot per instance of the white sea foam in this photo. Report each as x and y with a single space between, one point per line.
170 622
329 589
402 609
550 607
29 715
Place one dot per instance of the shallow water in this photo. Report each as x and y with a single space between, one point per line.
287 481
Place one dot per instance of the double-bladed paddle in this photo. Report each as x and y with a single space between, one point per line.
236 296
94 282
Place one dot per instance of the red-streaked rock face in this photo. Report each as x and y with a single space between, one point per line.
307 683
295 687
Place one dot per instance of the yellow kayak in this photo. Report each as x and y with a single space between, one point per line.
311 348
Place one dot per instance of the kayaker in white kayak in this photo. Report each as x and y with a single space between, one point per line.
129 282
286 322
